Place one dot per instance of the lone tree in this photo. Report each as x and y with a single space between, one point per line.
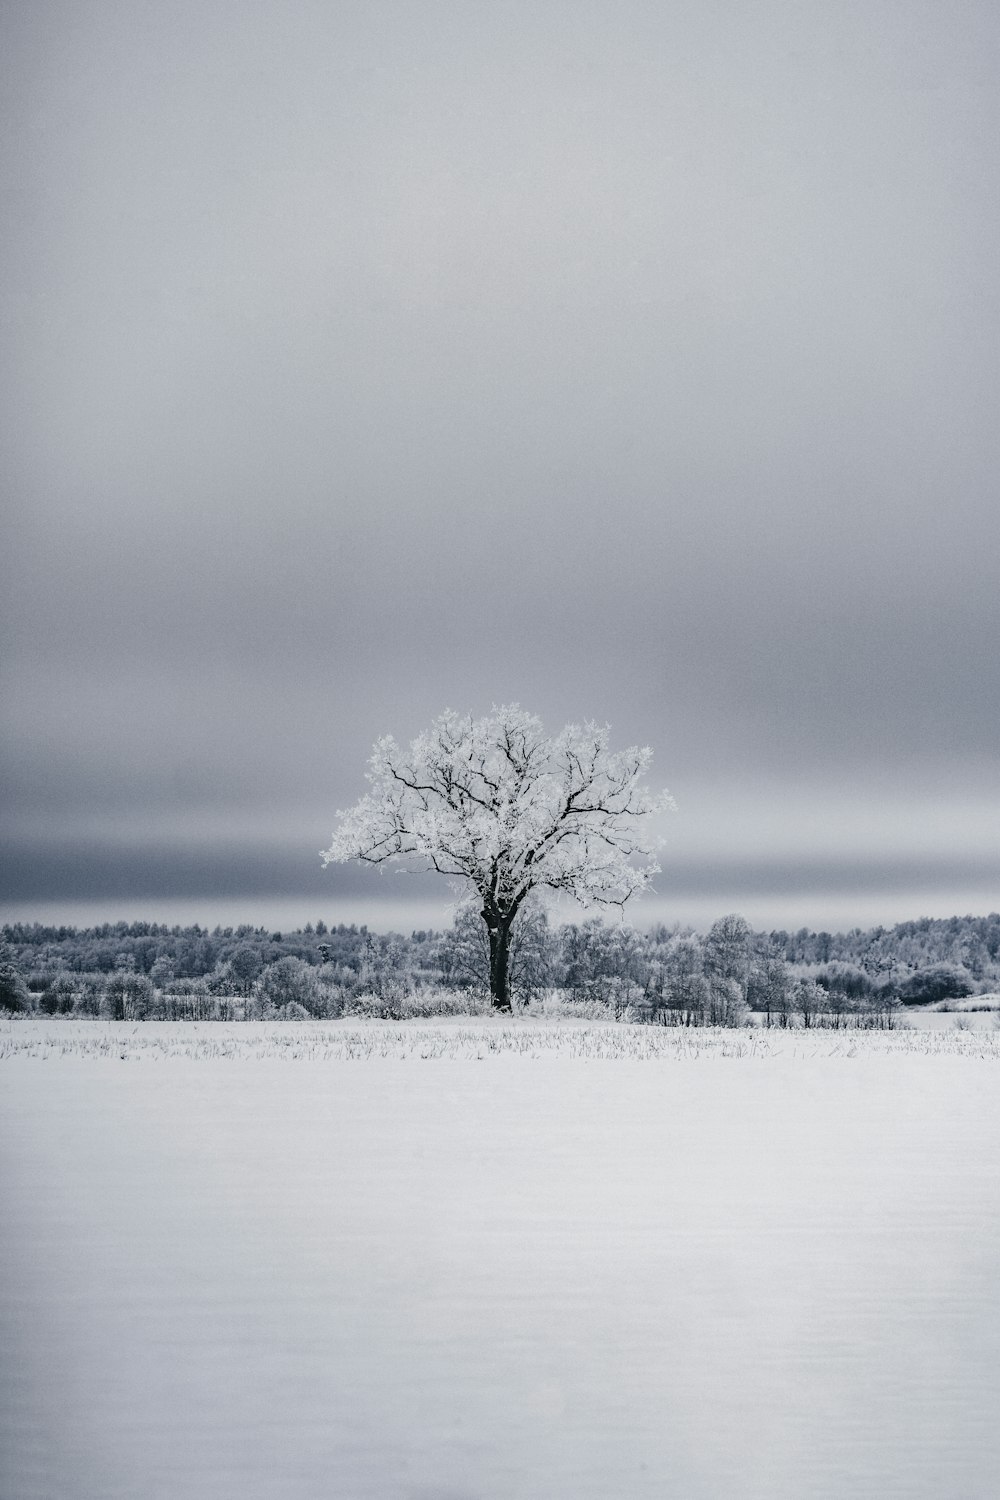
501 806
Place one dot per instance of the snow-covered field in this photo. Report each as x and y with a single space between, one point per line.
466 1261
458 1037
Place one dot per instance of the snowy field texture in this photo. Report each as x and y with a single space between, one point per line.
418 1266
459 1037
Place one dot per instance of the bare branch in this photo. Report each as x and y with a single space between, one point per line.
497 803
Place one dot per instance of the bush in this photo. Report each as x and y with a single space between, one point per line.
810 1000
59 997
370 1007
331 999
428 1003
87 999
561 1004
128 996
844 979
422 1004
188 986
290 981
937 982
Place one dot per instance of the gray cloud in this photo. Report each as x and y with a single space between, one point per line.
634 362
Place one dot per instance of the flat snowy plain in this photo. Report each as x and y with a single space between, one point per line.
475 1260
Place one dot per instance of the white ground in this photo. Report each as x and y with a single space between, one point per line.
759 1270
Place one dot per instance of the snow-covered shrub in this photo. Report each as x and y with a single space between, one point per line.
291 981
427 1003
128 996
421 1004
557 1004
937 982
87 1000
726 1005
58 998
292 1012
374 1007
810 1000
189 986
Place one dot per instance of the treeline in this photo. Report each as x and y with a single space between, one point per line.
666 975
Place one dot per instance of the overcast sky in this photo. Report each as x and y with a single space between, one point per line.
632 361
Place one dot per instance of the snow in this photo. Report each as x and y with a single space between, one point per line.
457 1272
459 1037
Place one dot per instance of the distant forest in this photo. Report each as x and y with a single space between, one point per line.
671 975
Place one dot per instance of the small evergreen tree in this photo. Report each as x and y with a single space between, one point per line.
14 994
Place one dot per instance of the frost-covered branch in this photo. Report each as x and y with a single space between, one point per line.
499 804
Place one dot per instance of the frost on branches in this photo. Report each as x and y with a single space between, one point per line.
499 804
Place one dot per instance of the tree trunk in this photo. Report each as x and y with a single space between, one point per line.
499 931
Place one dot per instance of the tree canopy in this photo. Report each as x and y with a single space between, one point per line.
498 805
